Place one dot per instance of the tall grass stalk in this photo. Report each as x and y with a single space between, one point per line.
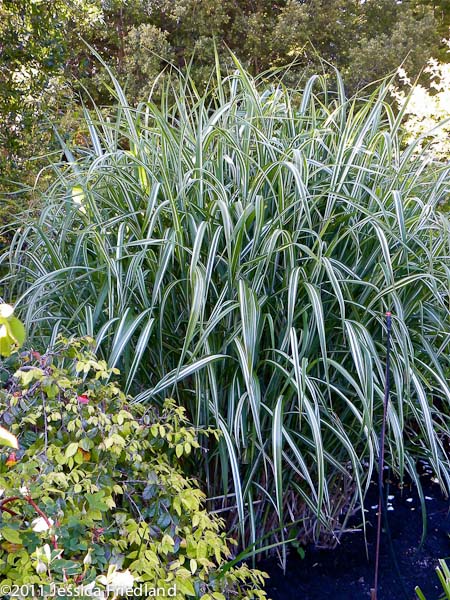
238 250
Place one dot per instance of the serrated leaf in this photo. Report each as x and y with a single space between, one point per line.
96 501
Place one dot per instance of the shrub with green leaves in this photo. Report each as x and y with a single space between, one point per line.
12 336
238 250
12 331
96 493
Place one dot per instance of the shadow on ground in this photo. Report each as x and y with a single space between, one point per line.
345 573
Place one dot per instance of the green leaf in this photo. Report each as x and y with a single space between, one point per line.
16 330
8 439
11 535
96 501
71 449
5 342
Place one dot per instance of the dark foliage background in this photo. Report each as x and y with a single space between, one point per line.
41 50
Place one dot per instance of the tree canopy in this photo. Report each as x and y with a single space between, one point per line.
42 48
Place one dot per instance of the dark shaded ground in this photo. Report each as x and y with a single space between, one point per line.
345 574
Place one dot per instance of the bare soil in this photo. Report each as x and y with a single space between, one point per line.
346 574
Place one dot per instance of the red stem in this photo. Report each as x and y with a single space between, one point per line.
9 511
6 500
44 516
32 503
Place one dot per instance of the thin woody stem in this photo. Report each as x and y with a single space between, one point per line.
374 590
9 511
44 516
32 503
6 500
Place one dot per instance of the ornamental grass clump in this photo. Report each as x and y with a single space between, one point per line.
237 250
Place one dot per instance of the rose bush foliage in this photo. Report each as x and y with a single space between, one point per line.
97 489
12 336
